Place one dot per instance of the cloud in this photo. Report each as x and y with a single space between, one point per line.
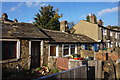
16 7
29 4
108 10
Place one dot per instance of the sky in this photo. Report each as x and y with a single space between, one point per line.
71 11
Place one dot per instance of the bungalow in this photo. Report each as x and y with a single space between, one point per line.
22 45
26 46
63 44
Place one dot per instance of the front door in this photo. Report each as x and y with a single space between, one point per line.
35 54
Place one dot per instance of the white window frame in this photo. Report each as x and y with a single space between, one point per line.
41 47
104 32
111 45
57 50
111 33
17 46
116 35
69 49
41 51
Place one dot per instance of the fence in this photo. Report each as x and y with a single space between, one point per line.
71 74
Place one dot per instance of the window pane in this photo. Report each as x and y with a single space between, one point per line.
72 49
52 50
66 50
8 49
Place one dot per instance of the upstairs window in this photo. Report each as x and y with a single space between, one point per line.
9 49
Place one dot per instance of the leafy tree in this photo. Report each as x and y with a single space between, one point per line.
47 18
88 18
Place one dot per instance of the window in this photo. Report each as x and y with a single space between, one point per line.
66 50
69 50
72 49
9 49
104 32
116 35
110 33
52 50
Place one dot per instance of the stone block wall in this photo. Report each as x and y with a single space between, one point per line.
101 56
45 53
60 50
24 58
85 53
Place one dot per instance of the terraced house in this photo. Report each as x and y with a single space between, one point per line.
26 46
108 37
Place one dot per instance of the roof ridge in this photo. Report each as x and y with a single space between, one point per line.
53 30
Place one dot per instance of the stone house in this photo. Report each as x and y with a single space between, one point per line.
63 44
22 45
26 46
107 37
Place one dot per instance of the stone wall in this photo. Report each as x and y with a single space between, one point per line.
113 54
52 60
45 53
60 50
24 57
85 53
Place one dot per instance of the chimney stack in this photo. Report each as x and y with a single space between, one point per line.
100 22
92 18
4 16
15 20
63 26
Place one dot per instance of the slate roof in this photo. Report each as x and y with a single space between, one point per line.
110 29
21 30
63 37
28 30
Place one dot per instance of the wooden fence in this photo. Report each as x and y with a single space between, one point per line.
71 74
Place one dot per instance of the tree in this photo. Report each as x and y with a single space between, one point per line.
88 18
47 18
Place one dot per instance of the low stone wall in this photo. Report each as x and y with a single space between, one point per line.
85 53
106 56
52 62
114 56
117 70
94 67
101 56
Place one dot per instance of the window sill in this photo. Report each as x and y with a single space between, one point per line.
52 56
8 60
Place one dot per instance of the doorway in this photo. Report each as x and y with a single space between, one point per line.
35 54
